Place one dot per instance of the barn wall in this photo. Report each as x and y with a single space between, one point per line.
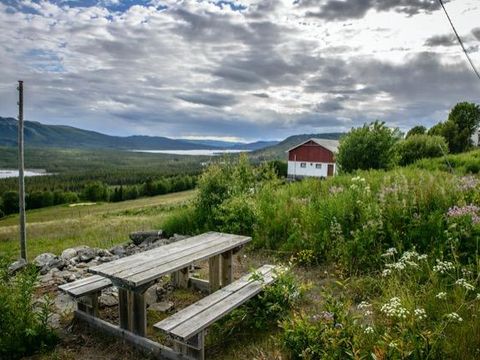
311 152
295 169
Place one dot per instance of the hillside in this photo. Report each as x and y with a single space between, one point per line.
41 135
277 151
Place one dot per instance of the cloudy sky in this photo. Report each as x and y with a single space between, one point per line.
241 69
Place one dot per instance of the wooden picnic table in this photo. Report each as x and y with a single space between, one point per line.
134 274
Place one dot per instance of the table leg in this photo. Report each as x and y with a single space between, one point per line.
133 313
227 268
180 278
214 273
123 307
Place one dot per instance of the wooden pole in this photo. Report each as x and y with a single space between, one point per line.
21 175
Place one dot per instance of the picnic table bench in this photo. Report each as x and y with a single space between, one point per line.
134 274
187 326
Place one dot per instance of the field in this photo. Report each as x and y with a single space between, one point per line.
100 225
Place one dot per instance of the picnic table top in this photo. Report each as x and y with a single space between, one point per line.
143 268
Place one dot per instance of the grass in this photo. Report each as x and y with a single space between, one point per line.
101 225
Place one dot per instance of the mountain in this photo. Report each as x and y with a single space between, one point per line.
234 145
41 135
278 151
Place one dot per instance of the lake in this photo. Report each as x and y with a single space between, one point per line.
192 152
8 173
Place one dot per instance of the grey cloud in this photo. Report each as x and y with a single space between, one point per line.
476 33
208 98
354 9
441 40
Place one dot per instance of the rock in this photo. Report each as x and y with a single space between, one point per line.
54 321
17 265
118 250
139 237
64 303
69 254
105 259
108 300
103 253
87 254
42 260
177 237
151 295
162 306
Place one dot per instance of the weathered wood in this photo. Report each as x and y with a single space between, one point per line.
181 278
204 304
227 268
86 286
148 346
89 303
139 315
145 267
214 273
123 308
197 317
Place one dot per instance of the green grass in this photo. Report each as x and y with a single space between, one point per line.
101 225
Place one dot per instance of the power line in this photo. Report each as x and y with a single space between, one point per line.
460 41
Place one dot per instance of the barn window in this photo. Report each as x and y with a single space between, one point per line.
318 166
303 165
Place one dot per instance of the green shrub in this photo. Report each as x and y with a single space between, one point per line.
10 202
24 326
418 147
96 191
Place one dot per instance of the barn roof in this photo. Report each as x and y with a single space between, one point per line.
331 145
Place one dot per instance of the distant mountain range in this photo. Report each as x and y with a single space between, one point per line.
41 135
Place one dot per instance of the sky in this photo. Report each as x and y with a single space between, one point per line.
236 70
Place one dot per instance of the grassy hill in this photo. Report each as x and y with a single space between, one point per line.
277 151
41 135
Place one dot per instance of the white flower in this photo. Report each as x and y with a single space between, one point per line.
420 314
422 257
478 296
369 330
465 284
390 252
386 272
443 266
454 317
441 295
393 308
393 344
368 313
363 305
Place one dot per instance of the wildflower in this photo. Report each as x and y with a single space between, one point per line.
393 344
393 308
465 284
471 210
363 305
369 330
454 317
443 266
420 314
468 182
422 257
478 296
386 272
390 252
441 295
368 313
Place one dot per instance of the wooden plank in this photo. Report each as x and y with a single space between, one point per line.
199 284
85 286
214 273
169 256
227 268
151 348
206 303
123 308
157 253
139 314
205 318
179 263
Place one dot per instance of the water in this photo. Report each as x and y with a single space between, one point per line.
7 173
192 152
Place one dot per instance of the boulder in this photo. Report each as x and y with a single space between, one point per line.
69 254
118 250
64 303
108 300
87 254
151 295
43 260
17 265
162 306
139 237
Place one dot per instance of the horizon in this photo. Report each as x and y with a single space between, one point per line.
238 71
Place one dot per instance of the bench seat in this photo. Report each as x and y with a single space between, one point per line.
186 326
86 291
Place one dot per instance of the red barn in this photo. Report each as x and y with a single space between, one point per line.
314 157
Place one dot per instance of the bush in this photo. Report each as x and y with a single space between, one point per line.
96 191
24 326
416 130
418 147
368 147
10 202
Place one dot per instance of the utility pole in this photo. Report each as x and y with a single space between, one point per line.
21 175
